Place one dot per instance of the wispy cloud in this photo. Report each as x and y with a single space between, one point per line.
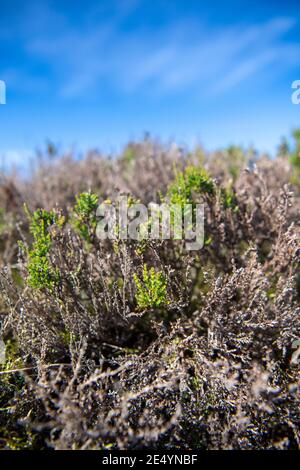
164 59
15 158
23 81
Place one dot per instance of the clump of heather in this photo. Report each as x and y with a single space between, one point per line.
141 343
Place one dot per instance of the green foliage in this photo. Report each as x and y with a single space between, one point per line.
84 216
152 290
41 273
228 198
193 181
235 160
295 156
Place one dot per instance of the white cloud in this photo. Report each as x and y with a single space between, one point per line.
15 158
166 59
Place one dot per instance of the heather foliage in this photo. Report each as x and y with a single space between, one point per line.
193 182
85 214
40 273
152 290
132 344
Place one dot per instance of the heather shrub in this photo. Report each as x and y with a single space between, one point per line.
152 289
188 184
85 214
40 273
130 344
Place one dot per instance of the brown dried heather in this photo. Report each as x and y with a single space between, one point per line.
215 367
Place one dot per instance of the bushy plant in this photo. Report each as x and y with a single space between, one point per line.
194 181
85 214
152 289
295 157
40 272
131 344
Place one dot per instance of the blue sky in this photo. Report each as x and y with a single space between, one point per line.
97 73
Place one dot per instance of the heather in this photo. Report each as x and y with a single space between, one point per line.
124 344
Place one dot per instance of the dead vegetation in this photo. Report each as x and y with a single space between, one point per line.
211 364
